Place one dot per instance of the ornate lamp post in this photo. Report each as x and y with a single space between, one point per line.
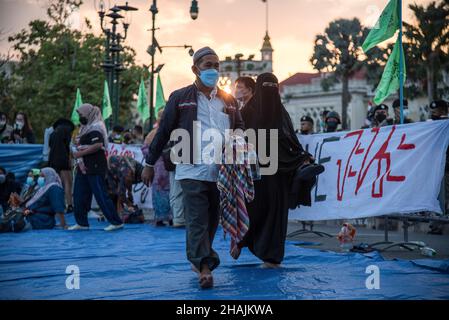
155 45
112 64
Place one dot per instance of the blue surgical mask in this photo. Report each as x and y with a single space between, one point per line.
29 181
41 181
209 77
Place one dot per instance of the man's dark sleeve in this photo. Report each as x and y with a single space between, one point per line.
166 126
95 137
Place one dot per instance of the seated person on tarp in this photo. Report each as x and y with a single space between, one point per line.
122 173
29 188
39 212
8 186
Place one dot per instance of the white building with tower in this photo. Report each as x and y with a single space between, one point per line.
233 67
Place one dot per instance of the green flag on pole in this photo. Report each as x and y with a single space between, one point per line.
106 107
142 102
75 117
390 82
385 27
160 100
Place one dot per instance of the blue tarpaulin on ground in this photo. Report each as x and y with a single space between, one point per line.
145 262
20 158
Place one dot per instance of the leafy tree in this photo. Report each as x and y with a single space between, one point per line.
428 41
55 60
338 51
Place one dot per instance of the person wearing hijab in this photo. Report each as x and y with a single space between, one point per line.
90 176
47 202
59 156
268 212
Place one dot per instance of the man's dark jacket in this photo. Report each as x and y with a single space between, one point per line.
180 112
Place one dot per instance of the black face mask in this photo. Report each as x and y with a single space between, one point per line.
304 132
332 126
380 117
83 120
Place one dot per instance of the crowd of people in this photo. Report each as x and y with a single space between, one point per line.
20 131
184 194
377 116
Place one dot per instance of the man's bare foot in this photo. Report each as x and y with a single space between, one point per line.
194 269
235 252
269 265
205 278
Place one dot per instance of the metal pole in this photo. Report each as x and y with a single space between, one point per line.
117 77
401 69
107 69
114 73
153 44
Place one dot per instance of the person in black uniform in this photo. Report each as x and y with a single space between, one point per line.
381 117
397 111
332 121
306 125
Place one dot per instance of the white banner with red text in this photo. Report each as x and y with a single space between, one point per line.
374 172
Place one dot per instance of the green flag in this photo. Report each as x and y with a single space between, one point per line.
142 102
385 27
75 117
160 100
389 83
106 108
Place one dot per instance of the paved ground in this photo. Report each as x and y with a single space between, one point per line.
440 243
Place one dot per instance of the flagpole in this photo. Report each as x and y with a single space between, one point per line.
401 69
266 15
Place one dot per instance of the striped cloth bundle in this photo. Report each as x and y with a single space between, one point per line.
235 185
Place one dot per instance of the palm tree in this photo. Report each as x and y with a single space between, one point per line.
338 51
429 40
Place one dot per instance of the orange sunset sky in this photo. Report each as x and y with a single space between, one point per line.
228 26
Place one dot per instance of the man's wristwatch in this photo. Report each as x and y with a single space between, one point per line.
149 165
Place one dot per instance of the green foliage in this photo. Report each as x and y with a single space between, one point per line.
425 43
428 45
338 51
56 60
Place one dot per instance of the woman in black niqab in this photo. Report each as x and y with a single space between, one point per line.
268 212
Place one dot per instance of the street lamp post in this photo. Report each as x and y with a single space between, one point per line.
112 64
238 60
155 45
